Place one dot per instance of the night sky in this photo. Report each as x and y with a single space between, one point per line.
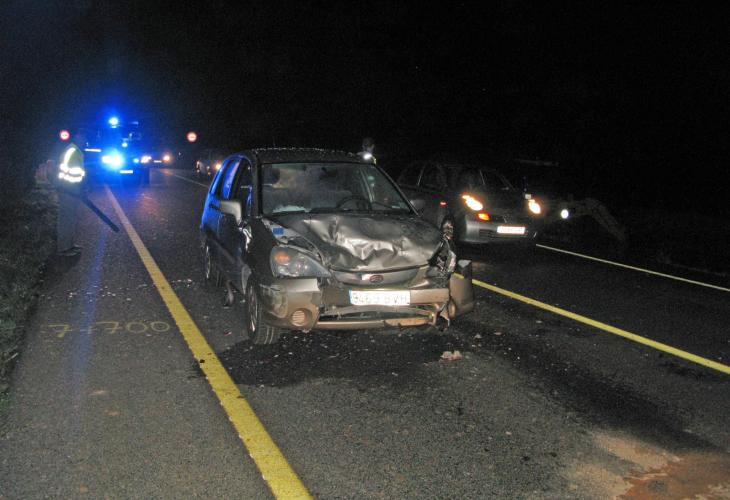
631 100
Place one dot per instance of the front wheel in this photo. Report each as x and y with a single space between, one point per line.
258 331
211 274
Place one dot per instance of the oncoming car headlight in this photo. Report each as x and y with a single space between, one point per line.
292 263
471 202
534 206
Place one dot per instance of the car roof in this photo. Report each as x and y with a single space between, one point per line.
294 155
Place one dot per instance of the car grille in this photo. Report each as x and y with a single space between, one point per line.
375 278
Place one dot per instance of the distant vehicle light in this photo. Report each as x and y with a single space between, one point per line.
166 158
92 150
113 121
126 171
472 202
124 145
442 203
367 156
534 206
136 160
113 159
146 159
192 136
483 216
218 166
64 135
564 213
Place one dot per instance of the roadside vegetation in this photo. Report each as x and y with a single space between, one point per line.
28 238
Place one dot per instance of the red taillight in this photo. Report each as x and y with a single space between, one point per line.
442 203
483 216
64 135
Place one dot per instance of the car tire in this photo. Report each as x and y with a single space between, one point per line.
259 331
210 272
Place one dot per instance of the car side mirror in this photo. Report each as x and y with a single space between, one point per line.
232 208
419 204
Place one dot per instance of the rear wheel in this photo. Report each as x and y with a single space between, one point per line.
258 331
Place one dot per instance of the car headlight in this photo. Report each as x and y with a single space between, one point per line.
217 166
290 262
564 213
146 159
472 202
113 159
166 158
534 206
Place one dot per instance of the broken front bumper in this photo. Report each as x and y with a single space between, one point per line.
307 304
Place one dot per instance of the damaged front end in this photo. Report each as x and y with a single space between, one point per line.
345 272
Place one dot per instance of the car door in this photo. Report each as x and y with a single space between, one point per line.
432 187
234 233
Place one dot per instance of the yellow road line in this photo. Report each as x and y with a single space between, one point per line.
608 328
633 268
275 469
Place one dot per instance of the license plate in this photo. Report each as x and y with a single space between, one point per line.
378 298
511 229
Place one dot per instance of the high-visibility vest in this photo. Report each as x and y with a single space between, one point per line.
71 167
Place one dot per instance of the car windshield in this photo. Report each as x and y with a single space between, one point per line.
470 178
328 188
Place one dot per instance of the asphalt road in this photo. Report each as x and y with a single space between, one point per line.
108 401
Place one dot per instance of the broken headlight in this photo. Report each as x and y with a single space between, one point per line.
292 263
443 261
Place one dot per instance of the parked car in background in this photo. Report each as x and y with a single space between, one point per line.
208 163
320 239
474 204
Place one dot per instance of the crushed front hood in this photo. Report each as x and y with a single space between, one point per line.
367 242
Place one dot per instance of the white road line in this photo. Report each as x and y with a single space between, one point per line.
633 268
167 172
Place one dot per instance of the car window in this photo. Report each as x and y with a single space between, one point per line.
433 178
214 186
493 181
410 175
229 176
464 178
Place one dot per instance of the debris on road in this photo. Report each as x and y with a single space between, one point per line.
451 356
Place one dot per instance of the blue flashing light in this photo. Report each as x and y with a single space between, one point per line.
136 160
113 121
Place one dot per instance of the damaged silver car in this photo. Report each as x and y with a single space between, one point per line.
320 239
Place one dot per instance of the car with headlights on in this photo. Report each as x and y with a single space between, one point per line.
473 204
208 163
318 239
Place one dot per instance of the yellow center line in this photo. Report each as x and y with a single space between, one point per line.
274 468
608 328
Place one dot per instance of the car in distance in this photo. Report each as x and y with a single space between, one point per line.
208 163
319 239
474 204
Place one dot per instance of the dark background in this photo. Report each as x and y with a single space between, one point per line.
630 99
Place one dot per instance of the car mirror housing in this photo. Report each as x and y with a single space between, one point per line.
232 208
419 204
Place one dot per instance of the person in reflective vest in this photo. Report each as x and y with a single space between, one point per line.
70 183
